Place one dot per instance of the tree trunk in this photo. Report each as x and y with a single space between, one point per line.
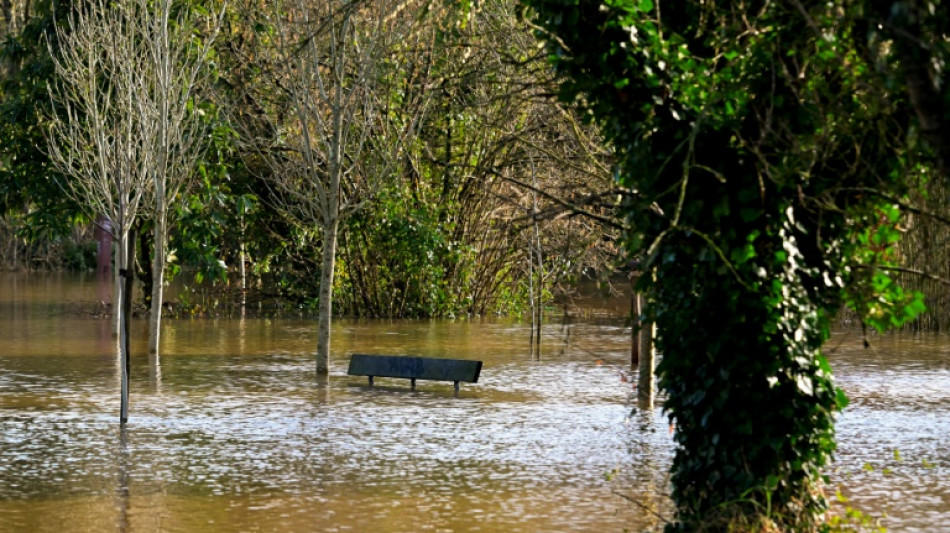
119 252
158 281
646 384
160 179
15 246
242 258
326 296
531 300
634 329
539 287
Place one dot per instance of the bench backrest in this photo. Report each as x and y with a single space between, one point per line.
405 366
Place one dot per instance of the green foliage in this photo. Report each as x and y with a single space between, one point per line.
444 234
79 255
216 212
759 143
399 259
203 220
877 299
216 217
27 183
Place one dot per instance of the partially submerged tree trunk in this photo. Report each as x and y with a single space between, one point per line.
328 264
646 382
242 256
96 137
119 259
751 136
158 282
169 111
643 353
535 282
536 257
337 142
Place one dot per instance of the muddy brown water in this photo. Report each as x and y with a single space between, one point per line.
230 431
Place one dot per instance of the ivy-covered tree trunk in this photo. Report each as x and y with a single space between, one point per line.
752 399
758 141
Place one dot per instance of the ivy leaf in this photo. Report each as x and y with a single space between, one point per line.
841 399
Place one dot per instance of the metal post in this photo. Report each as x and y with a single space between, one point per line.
634 329
126 316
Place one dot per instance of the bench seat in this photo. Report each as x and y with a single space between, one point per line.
413 368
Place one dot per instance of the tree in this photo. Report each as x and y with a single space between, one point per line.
444 231
13 17
496 158
337 141
168 108
907 42
34 209
127 126
762 144
95 135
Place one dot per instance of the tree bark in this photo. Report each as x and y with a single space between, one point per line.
646 384
531 297
539 285
242 258
117 279
158 281
330 230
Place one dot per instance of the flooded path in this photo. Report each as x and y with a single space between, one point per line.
230 431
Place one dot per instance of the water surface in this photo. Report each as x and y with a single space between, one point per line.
230 430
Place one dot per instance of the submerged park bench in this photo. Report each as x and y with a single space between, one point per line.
413 368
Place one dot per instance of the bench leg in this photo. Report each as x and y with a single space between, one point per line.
413 382
371 382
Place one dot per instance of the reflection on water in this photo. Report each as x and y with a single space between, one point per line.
230 431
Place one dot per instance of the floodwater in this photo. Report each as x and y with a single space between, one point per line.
230 431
